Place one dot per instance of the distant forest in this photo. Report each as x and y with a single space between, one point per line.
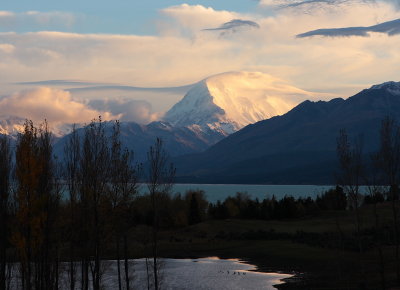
61 219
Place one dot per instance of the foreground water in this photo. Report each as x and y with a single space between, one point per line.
215 192
192 274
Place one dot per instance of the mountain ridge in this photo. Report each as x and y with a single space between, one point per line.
307 134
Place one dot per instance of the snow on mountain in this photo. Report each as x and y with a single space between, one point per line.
12 125
298 147
391 87
229 101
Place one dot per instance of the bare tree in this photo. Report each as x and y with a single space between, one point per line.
350 178
49 194
159 182
373 181
123 188
71 170
389 162
94 176
351 172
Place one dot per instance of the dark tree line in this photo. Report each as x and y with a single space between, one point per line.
243 207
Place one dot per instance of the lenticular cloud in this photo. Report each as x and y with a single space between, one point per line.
390 28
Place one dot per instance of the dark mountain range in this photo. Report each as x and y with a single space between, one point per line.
139 138
298 147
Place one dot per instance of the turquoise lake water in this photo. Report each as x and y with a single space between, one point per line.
215 192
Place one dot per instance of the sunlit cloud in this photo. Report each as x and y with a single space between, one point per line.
183 53
56 106
197 17
138 111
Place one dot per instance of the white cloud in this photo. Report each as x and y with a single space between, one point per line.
56 106
138 111
190 19
7 48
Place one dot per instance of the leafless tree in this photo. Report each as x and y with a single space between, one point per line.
350 178
375 190
351 173
123 187
389 162
160 178
71 170
94 177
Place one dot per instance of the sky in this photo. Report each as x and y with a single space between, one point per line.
327 46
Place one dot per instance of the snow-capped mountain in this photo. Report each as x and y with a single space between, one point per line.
298 147
139 138
210 110
391 87
12 125
229 101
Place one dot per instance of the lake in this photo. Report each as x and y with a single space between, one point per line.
215 192
207 273
180 274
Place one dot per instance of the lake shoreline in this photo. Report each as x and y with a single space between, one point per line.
313 265
289 283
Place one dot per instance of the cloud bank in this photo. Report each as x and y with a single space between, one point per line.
181 52
56 106
138 111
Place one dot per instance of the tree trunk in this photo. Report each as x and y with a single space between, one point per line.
126 262
118 265
396 232
147 273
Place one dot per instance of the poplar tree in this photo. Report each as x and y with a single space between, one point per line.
36 201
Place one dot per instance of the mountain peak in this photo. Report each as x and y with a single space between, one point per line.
391 86
14 125
11 125
229 101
